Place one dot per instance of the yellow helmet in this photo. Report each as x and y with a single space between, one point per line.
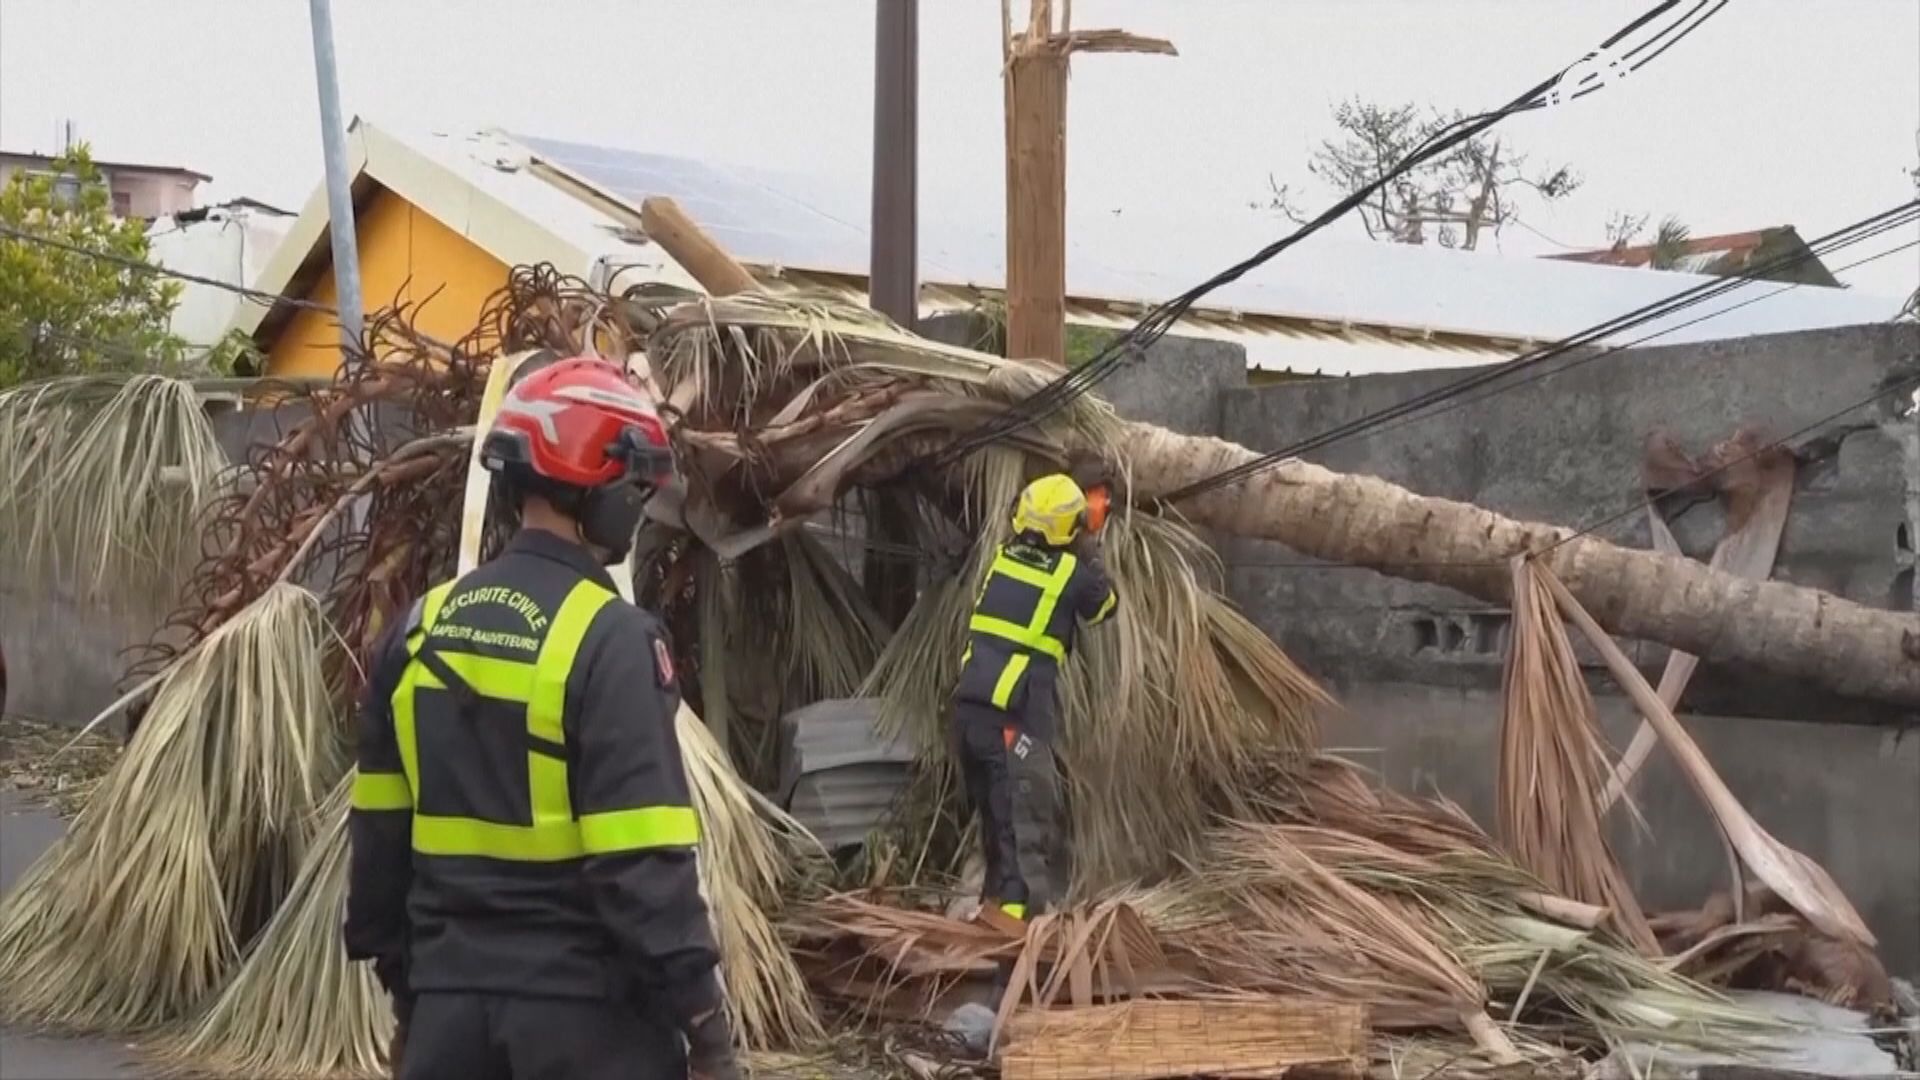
1052 506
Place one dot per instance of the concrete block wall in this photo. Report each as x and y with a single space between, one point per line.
1417 667
65 654
1565 445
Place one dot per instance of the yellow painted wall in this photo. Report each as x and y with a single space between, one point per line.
404 254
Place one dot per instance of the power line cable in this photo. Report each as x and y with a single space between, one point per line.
1847 236
1698 294
266 299
1155 324
1601 354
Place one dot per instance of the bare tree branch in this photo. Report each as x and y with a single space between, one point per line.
1480 174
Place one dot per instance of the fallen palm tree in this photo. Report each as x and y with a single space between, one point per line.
787 408
940 391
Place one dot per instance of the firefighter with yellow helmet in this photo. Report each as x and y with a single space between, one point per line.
1044 582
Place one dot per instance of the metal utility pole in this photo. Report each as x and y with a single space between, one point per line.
893 283
1036 103
333 143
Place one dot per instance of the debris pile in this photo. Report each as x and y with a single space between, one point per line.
1242 903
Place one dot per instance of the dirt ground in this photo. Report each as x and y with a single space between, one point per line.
45 765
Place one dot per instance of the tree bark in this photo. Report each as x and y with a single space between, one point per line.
1848 648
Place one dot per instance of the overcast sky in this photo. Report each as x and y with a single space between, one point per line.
1801 112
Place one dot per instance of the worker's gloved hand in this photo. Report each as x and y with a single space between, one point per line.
1086 544
710 1053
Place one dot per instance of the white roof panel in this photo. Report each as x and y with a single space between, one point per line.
804 223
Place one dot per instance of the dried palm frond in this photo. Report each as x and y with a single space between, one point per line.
1324 910
1248 1035
189 844
722 357
780 628
1312 930
1797 879
1554 766
750 850
297 1007
109 475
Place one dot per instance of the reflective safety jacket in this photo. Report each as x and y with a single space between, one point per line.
1022 630
521 822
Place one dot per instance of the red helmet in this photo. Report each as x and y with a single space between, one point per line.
578 424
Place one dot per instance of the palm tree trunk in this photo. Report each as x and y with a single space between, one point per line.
1765 626
1782 629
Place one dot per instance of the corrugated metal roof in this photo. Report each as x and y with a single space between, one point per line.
1272 343
838 777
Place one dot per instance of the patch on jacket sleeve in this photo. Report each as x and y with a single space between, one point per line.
662 664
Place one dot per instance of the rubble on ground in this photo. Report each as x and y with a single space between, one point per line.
53 765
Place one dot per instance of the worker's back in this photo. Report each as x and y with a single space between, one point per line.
1023 628
499 901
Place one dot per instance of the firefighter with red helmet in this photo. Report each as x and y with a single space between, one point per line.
523 867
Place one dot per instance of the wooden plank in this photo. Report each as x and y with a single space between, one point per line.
1148 1040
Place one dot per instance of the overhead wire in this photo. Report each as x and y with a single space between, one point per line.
110 348
1601 354
1847 236
1632 506
267 299
1867 228
1063 390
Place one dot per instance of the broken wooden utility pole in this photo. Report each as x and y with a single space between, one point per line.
1036 110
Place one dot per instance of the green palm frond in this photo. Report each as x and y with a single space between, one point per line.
136 916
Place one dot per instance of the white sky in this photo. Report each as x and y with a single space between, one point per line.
1803 112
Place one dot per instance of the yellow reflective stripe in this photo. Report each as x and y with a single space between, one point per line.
490 677
557 655
1106 608
1050 597
381 791
1019 635
547 786
640 829
436 597
1009 678
1018 911
1033 635
644 829
1019 571
472 838
404 732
